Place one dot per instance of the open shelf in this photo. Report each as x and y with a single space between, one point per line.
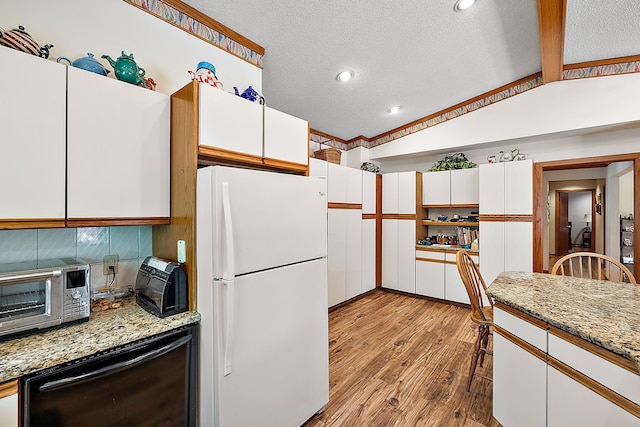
451 224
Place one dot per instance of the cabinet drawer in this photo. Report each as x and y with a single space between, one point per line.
610 375
428 255
521 328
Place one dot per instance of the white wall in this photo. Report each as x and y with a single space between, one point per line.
555 108
76 27
626 194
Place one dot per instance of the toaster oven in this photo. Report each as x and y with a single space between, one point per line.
42 294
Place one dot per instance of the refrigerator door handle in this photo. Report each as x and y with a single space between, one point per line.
229 271
227 340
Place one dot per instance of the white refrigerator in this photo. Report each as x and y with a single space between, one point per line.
262 294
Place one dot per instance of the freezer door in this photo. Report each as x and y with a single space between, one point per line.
273 368
273 219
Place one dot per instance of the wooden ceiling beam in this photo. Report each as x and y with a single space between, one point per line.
552 16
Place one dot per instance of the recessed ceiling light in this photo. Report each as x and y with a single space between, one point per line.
463 4
394 109
344 76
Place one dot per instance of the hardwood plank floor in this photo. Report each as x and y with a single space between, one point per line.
398 360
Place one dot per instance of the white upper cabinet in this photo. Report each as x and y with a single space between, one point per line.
229 122
318 167
407 193
436 188
337 183
354 185
390 193
518 187
368 192
32 137
464 186
286 138
491 188
117 149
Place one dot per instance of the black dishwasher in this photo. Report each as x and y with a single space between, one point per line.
151 382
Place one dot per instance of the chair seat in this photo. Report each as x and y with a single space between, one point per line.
488 316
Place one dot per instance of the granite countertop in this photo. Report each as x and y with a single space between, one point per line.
104 330
604 313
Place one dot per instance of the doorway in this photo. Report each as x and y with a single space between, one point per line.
574 228
541 202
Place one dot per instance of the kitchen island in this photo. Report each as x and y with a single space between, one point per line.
104 330
566 351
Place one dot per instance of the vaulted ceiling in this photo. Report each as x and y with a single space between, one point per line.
418 54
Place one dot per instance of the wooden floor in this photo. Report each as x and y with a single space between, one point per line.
398 360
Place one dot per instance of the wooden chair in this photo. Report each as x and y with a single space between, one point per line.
481 314
590 265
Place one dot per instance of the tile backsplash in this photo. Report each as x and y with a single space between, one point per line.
131 243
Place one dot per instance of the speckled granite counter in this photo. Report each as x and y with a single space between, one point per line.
104 330
604 313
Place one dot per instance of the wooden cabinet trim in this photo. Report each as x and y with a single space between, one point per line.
521 343
505 218
522 316
8 388
595 386
451 224
103 222
601 352
399 216
20 223
369 216
285 165
452 205
336 205
213 153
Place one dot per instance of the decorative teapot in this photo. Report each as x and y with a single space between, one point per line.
88 63
206 73
127 70
20 40
508 156
250 94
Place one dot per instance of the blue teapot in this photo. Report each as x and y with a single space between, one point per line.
88 63
250 94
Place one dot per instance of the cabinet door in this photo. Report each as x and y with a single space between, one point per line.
492 190
368 192
518 187
492 250
571 403
518 246
229 122
407 193
368 254
465 188
430 273
118 158
454 287
286 137
390 193
354 185
436 188
407 256
519 385
354 252
9 404
337 256
32 137
390 253
317 167
337 184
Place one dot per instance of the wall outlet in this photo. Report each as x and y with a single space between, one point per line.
110 261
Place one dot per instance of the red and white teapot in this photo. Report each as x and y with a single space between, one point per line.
20 40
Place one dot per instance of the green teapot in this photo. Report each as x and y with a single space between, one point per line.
126 69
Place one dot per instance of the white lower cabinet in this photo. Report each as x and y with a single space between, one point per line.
9 404
572 404
430 273
398 255
368 254
505 246
519 385
344 261
454 289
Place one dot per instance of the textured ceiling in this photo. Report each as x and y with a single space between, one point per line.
419 54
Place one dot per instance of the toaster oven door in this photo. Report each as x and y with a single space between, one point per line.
30 300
